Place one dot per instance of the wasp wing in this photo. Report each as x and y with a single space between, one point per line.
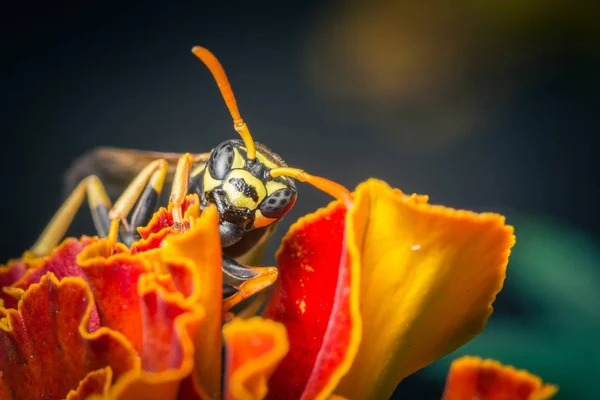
116 167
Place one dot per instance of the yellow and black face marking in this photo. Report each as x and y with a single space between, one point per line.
243 190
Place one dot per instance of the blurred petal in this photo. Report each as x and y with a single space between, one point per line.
45 347
9 274
62 262
97 382
474 378
429 277
316 298
254 348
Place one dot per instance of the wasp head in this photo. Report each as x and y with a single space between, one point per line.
243 191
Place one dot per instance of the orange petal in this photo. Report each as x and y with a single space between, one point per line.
45 347
158 298
429 277
254 348
137 295
161 223
316 298
474 378
201 246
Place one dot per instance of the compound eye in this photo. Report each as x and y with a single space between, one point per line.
278 203
221 160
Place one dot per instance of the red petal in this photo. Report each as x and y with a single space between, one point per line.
114 283
316 299
152 241
161 223
168 329
163 339
45 348
97 382
9 274
62 262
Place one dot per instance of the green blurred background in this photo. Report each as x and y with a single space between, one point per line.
486 105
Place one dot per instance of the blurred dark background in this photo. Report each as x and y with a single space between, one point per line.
491 106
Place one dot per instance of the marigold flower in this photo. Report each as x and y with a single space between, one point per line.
366 295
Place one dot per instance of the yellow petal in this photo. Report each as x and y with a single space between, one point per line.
474 378
429 277
254 349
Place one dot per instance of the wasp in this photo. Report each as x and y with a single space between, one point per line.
250 185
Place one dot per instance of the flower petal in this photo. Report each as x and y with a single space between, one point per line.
113 280
201 246
254 348
474 378
96 382
61 262
156 298
45 347
316 298
9 274
429 277
161 223
168 354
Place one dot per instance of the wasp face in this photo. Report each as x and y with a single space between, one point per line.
244 193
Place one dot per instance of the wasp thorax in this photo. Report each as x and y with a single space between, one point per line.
242 189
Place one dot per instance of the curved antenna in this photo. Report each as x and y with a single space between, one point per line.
332 188
218 73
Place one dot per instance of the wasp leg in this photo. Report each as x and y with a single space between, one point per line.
59 224
147 204
180 188
150 181
241 281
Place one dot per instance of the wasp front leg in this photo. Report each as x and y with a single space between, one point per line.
180 188
241 282
145 190
153 178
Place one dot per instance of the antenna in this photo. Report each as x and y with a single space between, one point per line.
332 188
216 69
